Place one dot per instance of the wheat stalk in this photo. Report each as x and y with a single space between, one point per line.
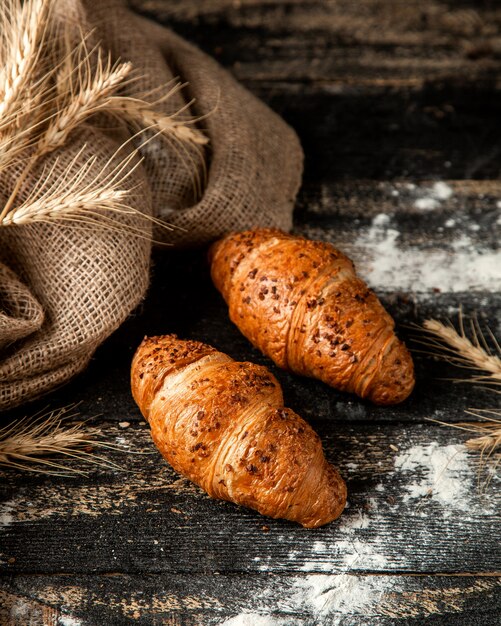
91 97
23 35
489 429
24 76
25 444
176 132
138 111
457 348
79 195
52 86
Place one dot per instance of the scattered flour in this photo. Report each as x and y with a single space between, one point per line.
383 263
443 475
6 517
344 553
67 620
358 520
441 191
426 204
322 596
430 198
342 593
254 619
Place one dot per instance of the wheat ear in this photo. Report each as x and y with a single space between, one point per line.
138 112
63 85
25 87
489 429
25 444
89 99
92 97
79 195
75 192
456 348
24 30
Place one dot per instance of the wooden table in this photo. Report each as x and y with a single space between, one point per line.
389 99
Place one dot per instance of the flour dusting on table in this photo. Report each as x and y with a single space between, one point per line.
430 198
319 596
254 619
440 473
67 620
342 593
384 263
6 517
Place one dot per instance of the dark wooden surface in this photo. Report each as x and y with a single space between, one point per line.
389 98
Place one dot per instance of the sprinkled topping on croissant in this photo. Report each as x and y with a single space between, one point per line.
223 425
301 303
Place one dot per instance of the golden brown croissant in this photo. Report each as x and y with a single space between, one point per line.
301 303
223 425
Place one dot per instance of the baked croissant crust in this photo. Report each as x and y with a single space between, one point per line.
301 303
223 425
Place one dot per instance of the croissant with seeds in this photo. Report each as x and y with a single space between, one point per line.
223 425
301 303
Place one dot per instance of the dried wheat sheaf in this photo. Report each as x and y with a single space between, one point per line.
52 81
32 444
472 353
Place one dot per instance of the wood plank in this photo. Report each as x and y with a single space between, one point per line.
19 610
364 110
403 481
369 42
440 132
302 600
424 239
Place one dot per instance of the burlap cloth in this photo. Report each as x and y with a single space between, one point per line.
65 288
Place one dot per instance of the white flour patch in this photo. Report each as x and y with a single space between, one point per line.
426 204
342 594
358 520
443 475
344 553
465 266
431 197
320 596
6 517
254 619
441 191
67 620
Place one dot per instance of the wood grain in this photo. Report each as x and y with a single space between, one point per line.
148 519
160 599
371 42
376 89
388 98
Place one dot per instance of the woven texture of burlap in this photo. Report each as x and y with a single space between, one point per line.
65 288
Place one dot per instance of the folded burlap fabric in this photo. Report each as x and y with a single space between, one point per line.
64 287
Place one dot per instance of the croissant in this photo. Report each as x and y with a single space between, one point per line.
223 425
301 303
